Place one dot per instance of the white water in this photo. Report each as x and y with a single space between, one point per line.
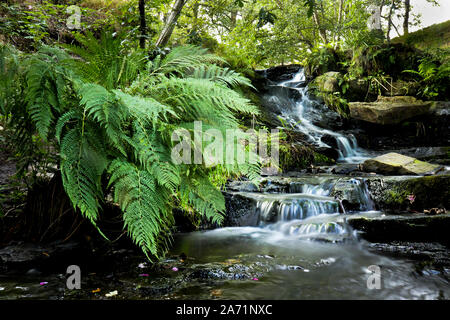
309 210
301 112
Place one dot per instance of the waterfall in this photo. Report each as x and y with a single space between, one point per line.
311 206
296 206
299 111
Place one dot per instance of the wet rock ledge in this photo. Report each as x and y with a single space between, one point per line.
407 227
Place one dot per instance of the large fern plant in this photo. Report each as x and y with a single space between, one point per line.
112 119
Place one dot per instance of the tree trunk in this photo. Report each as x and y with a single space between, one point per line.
143 25
170 24
391 12
233 18
406 20
339 22
322 32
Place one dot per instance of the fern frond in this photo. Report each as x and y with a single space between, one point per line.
145 109
63 120
201 99
46 82
82 165
106 61
204 197
146 214
103 107
221 75
183 58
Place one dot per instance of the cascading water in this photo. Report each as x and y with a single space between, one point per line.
298 244
311 213
301 112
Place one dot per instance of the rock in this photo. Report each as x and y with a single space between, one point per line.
328 152
401 88
427 253
20 257
426 153
279 73
328 82
357 90
246 186
397 164
391 193
352 193
346 168
240 210
329 140
411 227
440 108
435 211
388 110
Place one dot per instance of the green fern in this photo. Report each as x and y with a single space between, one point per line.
106 61
111 120
145 205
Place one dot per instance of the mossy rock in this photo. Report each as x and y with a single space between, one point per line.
328 82
389 110
391 193
397 164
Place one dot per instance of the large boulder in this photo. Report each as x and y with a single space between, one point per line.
328 82
397 164
388 110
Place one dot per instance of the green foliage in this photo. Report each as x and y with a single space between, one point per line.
336 102
434 76
108 61
324 59
434 36
110 127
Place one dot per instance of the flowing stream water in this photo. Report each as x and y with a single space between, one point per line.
301 112
301 247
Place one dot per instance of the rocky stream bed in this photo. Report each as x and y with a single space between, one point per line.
304 234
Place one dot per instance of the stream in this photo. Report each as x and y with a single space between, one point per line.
300 246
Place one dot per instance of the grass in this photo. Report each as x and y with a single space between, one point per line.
435 36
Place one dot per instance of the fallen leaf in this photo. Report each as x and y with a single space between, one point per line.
232 261
112 294
217 292
96 290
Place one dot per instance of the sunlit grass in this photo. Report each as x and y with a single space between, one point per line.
435 36
102 4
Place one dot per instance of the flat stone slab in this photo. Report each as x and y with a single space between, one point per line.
412 227
397 164
388 110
